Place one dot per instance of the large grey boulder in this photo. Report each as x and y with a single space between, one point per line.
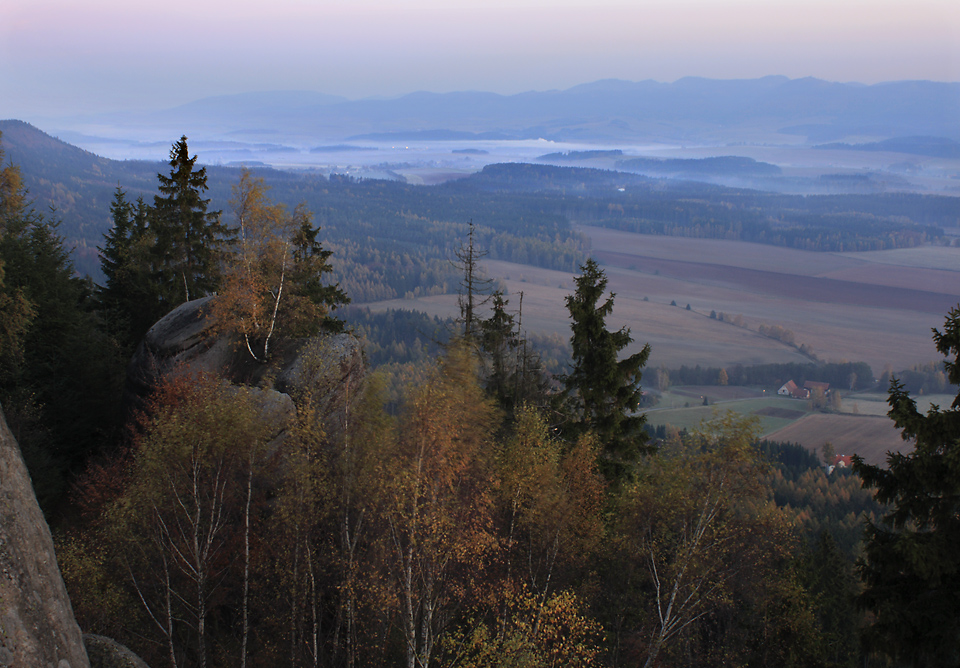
323 370
37 626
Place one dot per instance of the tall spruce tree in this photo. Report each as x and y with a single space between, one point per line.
59 377
311 262
499 341
603 391
911 562
187 236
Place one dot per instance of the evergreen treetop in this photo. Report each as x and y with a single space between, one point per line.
188 237
603 390
911 564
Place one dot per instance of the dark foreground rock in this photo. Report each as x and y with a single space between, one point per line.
107 653
37 626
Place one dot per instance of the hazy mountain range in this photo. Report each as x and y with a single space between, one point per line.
611 111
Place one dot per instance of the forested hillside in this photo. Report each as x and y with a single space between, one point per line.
392 239
485 512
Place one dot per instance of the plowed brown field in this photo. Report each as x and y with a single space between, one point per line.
864 435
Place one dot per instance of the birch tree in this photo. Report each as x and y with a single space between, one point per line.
187 509
551 498
436 508
685 524
273 269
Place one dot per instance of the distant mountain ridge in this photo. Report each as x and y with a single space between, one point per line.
936 147
609 110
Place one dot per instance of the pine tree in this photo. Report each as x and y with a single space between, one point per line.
603 390
187 236
499 341
911 565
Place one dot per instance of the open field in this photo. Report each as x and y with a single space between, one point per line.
875 403
867 436
872 307
782 419
774 413
718 393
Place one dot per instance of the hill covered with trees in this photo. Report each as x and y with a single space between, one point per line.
392 239
493 515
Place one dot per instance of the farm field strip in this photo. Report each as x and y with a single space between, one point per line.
876 329
782 284
763 409
789 420
867 436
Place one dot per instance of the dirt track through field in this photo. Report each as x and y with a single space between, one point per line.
806 288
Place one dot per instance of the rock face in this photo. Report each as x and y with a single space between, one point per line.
321 369
108 653
37 627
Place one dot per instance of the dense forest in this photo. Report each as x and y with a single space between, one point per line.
487 513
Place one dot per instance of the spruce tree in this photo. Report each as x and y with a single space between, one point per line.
603 391
911 564
187 236
311 262
499 341
59 375
130 299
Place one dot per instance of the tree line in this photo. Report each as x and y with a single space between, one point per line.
65 342
845 375
497 517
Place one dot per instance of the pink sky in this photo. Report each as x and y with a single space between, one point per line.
60 56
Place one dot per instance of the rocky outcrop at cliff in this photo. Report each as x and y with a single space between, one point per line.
108 653
37 627
321 369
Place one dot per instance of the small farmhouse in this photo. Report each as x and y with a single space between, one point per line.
790 389
840 462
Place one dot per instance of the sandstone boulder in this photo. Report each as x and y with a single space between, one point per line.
108 653
320 369
37 626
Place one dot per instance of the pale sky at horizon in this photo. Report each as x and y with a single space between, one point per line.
73 56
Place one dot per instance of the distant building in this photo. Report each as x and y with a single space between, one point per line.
841 462
790 389
812 385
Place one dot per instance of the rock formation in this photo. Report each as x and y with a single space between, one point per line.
108 653
320 369
37 626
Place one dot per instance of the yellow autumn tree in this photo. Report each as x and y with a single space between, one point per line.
273 272
435 503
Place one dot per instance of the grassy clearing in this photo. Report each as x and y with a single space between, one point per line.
773 412
782 419
875 403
